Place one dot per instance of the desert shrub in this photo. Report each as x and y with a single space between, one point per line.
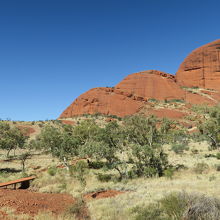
180 167
150 212
209 155
152 100
79 171
203 208
175 100
96 164
194 151
201 168
174 204
179 148
168 173
217 167
217 156
78 209
104 177
179 206
211 127
52 171
212 178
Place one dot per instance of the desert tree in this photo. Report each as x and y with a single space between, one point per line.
11 138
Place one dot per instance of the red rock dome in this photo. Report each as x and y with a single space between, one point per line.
201 68
105 101
152 84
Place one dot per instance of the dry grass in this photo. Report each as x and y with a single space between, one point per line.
139 191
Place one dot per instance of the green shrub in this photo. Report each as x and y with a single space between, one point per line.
209 155
217 167
201 168
194 151
168 173
52 171
79 171
174 204
104 177
217 156
150 212
179 148
152 100
175 100
179 206
78 209
96 164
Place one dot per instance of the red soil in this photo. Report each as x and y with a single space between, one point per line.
102 194
68 122
24 201
26 130
166 113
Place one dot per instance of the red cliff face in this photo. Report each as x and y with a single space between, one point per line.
201 68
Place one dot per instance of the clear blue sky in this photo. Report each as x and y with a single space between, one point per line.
51 51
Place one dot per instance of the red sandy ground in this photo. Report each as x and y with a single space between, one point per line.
27 202
24 201
102 194
26 130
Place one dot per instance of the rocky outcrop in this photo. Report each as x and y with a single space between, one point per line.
152 84
106 101
201 68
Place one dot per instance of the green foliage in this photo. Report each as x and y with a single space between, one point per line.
217 167
218 156
179 206
23 157
169 172
175 100
179 148
52 171
150 212
79 171
152 100
58 141
96 164
145 141
133 148
211 128
78 209
104 177
11 138
174 205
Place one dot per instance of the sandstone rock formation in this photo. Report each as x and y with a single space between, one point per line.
201 68
152 84
105 101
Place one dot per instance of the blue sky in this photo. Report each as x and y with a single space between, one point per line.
51 51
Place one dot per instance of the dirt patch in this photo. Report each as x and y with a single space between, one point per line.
103 194
26 130
67 122
167 113
27 202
